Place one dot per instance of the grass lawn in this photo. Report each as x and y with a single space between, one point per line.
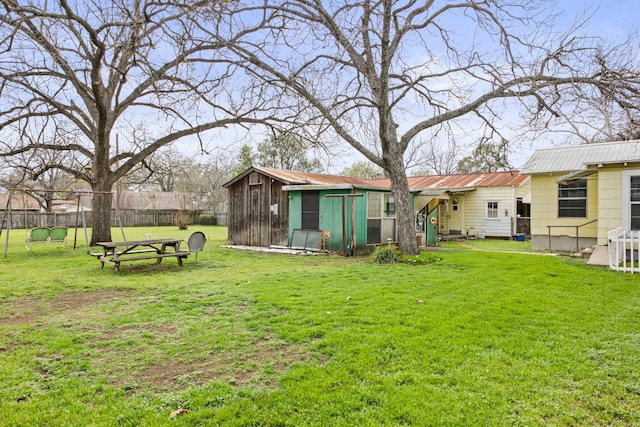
261 339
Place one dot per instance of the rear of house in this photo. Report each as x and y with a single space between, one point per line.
490 204
580 193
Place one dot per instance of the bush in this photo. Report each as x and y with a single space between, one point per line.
388 254
181 220
206 219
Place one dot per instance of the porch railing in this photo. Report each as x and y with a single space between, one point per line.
623 250
577 227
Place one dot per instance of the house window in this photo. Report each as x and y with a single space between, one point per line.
381 218
310 210
492 209
572 199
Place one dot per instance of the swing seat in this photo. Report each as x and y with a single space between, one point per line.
58 234
46 235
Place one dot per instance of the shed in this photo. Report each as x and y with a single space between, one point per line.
259 206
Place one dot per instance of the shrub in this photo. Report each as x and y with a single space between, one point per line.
206 219
388 254
181 220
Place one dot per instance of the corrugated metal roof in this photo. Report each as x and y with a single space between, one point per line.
297 178
416 183
293 177
471 180
574 158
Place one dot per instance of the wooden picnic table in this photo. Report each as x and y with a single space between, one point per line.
117 252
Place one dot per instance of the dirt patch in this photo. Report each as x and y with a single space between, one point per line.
27 311
229 367
123 351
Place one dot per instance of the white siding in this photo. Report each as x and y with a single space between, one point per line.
475 220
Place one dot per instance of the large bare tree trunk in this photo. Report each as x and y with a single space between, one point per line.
404 212
394 166
101 206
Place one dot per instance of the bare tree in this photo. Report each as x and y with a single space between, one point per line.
197 179
105 67
595 118
434 157
30 171
382 75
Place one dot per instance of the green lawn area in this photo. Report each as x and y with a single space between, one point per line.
261 339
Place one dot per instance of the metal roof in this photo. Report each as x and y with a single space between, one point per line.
293 177
578 157
461 181
302 178
309 181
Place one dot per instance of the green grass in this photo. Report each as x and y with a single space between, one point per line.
243 338
490 245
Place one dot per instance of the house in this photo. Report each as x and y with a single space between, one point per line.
268 206
580 193
490 204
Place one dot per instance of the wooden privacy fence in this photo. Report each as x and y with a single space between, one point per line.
623 250
129 218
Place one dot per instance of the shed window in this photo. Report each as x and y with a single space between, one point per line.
572 199
381 218
254 178
310 210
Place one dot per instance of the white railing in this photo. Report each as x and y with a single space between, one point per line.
623 250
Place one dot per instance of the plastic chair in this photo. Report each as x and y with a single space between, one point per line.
196 242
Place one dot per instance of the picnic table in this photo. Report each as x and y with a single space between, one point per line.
117 252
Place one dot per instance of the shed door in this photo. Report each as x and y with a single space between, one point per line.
310 210
255 226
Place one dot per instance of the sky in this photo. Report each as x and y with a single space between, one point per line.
611 19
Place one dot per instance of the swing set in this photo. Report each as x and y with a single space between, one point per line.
52 234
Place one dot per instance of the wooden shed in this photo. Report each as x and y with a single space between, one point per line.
259 207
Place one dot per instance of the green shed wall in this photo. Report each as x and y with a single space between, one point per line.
331 217
295 212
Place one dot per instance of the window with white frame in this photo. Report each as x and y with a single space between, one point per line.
631 199
381 218
493 208
572 199
634 196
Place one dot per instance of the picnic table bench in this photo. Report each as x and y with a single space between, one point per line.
117 252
